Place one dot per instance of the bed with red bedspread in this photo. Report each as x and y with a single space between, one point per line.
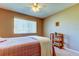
22 46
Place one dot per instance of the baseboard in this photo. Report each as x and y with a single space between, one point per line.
72 50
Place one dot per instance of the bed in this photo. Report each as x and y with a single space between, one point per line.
20 46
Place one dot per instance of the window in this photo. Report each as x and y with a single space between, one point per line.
24 26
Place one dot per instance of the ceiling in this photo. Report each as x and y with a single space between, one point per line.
46 10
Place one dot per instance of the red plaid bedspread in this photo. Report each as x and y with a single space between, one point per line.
22 46
30 49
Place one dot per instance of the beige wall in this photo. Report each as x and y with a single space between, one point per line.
69 26
6 23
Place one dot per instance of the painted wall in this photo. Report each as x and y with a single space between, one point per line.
69 26
7 23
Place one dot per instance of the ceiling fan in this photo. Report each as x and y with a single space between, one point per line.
36 7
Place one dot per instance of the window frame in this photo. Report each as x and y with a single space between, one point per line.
28 20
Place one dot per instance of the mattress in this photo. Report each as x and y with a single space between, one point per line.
21 46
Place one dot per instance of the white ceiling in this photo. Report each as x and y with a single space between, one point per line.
46 10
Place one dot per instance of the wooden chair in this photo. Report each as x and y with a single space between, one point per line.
59 41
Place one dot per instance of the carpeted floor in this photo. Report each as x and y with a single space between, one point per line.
64 52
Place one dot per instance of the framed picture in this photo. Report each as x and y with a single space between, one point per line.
57 24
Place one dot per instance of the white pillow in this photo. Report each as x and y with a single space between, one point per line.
2 40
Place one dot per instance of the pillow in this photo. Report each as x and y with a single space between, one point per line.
2 40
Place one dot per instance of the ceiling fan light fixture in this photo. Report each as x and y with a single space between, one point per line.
36 7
